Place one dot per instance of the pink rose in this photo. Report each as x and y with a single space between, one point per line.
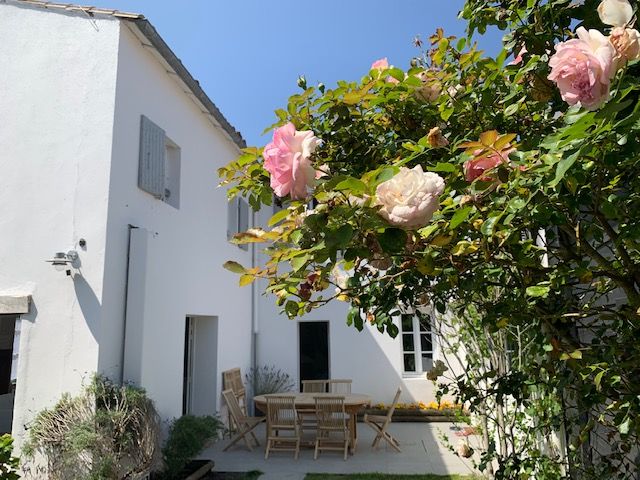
410 197
287 159
477 166
518 59
381 65
582 68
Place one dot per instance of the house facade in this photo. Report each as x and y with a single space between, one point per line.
113 233
109 151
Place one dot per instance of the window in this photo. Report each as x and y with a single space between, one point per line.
417 343
237 218
158 164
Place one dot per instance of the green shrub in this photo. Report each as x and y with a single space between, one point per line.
188 436
8 463
108 431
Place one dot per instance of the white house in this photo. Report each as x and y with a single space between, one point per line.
110 150
109 153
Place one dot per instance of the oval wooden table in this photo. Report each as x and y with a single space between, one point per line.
353 403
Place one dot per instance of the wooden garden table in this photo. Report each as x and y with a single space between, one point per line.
353 403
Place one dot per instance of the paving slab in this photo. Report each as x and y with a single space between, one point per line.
422 452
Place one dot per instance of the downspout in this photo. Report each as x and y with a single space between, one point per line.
126 302
254 305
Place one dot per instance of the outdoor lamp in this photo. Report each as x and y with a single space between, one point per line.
62 261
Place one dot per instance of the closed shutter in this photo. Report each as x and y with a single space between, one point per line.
243 219
152 158
232 218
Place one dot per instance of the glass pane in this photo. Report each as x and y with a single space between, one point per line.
427 363
407 342
409 362
425 324
407 323
426 343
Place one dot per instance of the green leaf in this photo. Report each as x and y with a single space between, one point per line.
234 267
538 291
460 216
298 262
443 167
278 217
489 225
353 184
246 280
563 166
597 380
623 428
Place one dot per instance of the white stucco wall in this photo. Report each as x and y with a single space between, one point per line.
186 246
58 81
371 359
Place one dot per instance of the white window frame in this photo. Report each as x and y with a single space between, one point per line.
417 352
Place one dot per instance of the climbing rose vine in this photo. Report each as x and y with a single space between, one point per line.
496 197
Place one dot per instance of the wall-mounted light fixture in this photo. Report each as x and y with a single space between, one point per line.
63 261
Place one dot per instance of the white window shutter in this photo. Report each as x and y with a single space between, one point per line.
232 217
152 158
243 219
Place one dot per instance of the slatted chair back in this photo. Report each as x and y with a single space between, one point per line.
281 411
314 386
340 386
394 404
235 411
330 413
232 379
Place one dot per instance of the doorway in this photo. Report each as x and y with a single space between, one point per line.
9 339
314 350
200 365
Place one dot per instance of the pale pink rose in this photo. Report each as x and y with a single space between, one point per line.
381 65
582 68
616 13
477 166
287 159
410 198
626 41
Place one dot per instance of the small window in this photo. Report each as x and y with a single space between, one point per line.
237 218
172 174
417 343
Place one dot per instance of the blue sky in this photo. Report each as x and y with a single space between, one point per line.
247 54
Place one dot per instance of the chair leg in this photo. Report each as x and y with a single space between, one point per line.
295 457
235 440
266 453
255 438
346 449
315 453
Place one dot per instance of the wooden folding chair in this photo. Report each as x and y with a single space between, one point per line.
232 379
340 386
380 423
283 433
244 424
307 416
332 429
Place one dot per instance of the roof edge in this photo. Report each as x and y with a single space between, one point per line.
149 31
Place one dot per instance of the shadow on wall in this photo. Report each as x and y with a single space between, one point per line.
89 304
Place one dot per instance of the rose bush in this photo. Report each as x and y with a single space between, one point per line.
536 269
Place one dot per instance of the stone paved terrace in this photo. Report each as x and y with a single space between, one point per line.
422 452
